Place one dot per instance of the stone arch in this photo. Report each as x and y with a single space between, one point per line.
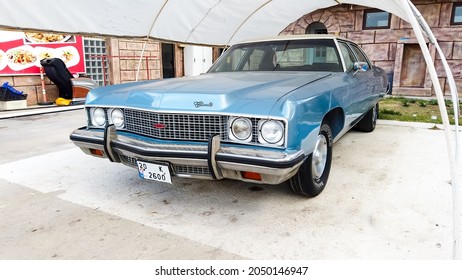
300 25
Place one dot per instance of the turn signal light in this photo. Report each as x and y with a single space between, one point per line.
97 152
251 175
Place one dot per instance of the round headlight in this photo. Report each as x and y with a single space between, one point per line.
98 117
272 131
117 118
241 128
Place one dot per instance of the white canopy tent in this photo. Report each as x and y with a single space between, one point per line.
219 22
211 22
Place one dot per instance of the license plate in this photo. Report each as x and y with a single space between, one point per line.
154 171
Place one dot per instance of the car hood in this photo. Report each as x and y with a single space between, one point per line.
238 92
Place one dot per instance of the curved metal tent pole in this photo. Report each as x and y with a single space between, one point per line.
447 69
242 23
147 38
419 26
203 18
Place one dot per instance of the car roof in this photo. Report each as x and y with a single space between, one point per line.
296 37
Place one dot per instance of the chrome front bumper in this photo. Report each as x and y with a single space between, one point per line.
211 161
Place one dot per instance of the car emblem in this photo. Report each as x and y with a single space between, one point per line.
159 125
202 104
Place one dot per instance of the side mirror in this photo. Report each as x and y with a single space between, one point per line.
360 66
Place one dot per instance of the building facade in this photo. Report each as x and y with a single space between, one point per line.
390 42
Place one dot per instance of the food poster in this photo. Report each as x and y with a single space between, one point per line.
21 52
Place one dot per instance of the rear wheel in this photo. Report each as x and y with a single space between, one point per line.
312 176
367 124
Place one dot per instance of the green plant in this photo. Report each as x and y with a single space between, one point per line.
400 108
390 112
433 102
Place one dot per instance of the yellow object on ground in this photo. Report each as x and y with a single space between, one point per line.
63 102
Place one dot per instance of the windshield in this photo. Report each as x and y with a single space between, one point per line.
287 55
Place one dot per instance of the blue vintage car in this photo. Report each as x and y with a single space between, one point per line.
268 111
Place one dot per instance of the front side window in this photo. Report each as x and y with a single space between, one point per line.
376 19
361 57
284 55
456 18
348 56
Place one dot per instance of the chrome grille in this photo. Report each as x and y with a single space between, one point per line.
192 170
255 130
171 126
179 169
175 126
128 160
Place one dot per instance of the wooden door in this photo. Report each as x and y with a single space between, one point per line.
414 68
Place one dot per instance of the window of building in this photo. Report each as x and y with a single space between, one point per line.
456 17
96 64
376 19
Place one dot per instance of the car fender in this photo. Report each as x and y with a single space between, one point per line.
307 108
304 117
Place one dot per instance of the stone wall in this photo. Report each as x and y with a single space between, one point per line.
32 86
124 56
381 45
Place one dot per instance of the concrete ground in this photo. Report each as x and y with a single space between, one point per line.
388 197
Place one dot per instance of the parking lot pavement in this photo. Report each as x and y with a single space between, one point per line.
38 225
38 110
388 197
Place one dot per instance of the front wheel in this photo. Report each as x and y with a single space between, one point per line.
312 176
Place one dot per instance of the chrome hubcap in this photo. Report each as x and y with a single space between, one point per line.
319 157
